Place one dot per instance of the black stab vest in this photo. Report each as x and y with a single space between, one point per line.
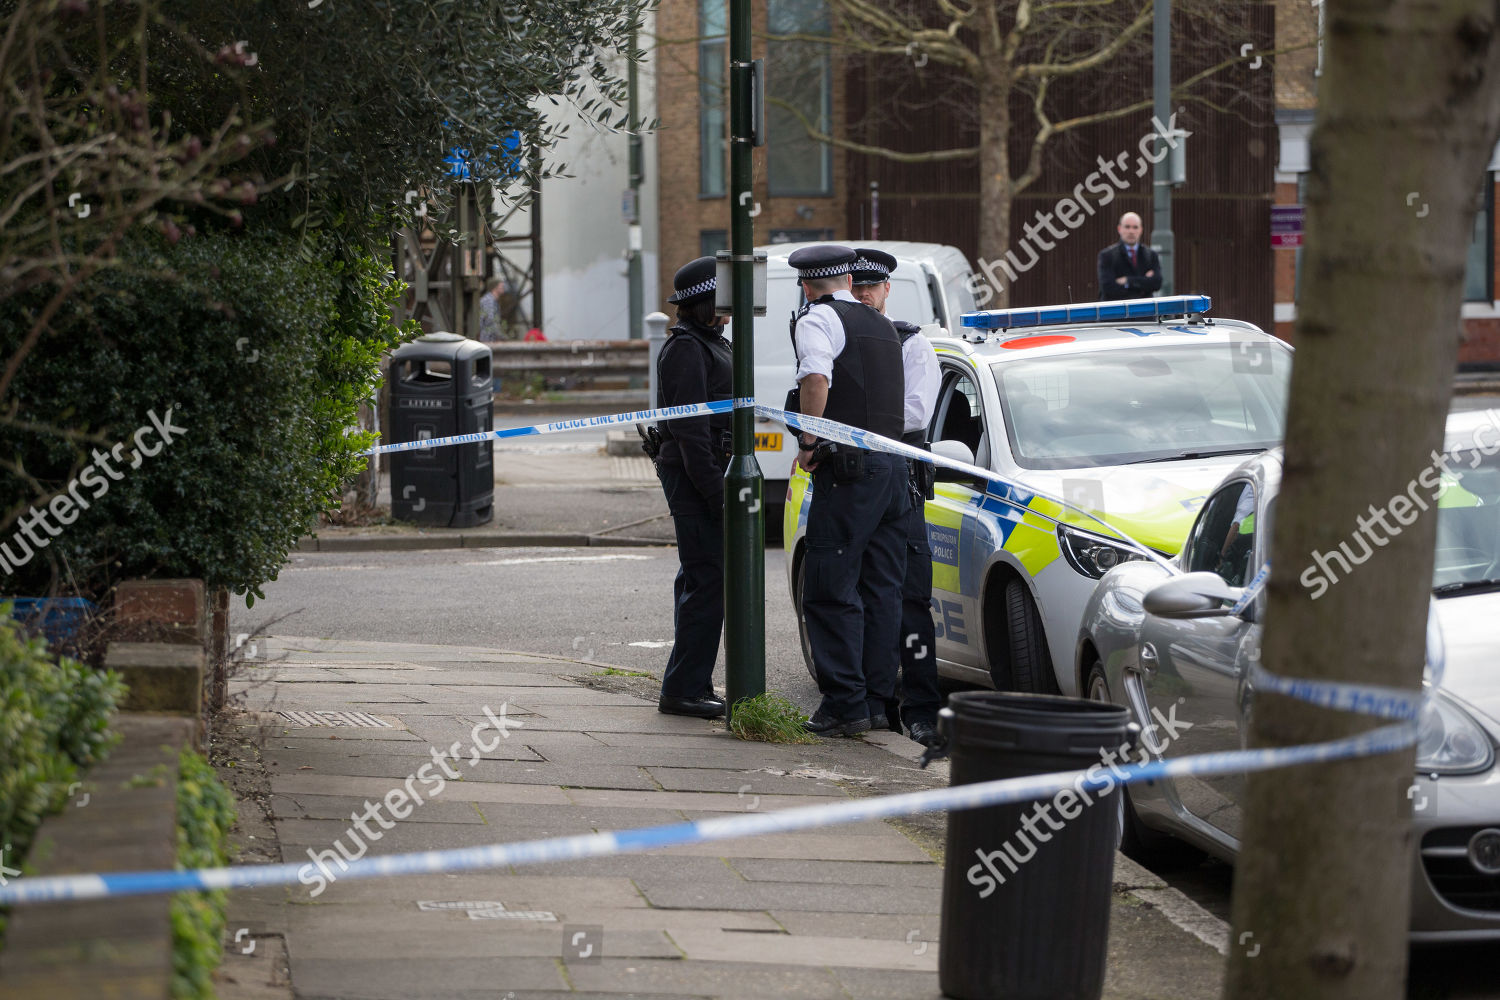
869 386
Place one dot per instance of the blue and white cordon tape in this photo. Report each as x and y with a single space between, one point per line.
989 793
1364 699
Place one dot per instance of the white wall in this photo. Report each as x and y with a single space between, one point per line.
585 284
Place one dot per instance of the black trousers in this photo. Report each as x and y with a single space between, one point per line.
920 699
851 595
698 613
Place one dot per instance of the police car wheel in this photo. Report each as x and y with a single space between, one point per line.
807 657
1030 666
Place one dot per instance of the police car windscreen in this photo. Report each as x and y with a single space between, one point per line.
1119 407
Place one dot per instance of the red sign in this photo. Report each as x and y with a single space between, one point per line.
1286 226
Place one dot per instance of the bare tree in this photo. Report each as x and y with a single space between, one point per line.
1409 102
996 56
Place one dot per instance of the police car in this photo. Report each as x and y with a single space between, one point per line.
1130 412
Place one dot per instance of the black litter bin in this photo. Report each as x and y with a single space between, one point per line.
1026 914
442 385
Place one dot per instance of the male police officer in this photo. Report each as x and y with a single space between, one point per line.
849 370
920 699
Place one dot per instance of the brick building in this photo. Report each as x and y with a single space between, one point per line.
797 182
1298 28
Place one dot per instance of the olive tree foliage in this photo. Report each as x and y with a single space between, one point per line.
374 99
196 202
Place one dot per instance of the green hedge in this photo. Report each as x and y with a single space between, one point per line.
262 347
205 812
53 719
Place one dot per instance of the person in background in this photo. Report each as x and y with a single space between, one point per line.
489 311
920 700
695 366
1128 269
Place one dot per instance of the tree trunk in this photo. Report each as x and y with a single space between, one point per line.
995 182
1409 102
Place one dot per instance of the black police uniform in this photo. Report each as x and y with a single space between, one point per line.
695 366
855 536
920 698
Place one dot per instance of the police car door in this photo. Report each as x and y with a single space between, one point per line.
951 517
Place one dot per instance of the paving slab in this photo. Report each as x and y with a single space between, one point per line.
920 875
711 945
453 791
677 894
728 980
840 912
403 978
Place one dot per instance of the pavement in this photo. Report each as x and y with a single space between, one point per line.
841 912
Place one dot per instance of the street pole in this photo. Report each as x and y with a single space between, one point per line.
1161 193
744 532
633 215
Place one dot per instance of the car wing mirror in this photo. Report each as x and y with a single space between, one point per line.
956 451
1192 595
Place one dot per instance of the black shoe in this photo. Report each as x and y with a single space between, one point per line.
925 733
699 708
710 696
827 725
879 722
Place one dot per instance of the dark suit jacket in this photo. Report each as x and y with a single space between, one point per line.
1114 262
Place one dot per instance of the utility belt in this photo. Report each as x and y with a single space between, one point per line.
845 463
923 475
652 441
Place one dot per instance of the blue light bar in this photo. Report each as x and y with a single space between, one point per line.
1089 312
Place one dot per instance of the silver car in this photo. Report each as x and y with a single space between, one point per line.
1152 644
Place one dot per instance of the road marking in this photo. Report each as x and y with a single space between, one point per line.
552 559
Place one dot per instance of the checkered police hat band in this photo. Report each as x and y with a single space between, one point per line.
874 267
831 271
698 289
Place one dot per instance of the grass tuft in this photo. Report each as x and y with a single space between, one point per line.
769 718
617 672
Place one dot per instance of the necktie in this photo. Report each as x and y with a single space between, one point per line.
1131 251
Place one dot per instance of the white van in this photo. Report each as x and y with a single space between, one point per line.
930 285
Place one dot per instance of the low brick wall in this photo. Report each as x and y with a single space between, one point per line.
111 948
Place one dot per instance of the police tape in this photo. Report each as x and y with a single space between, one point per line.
37 889
560 426
1012 493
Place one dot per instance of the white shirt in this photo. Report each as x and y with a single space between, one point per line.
920 364
820 338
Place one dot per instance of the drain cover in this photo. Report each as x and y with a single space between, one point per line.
329 718
511 915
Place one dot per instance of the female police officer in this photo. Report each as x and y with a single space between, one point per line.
695 367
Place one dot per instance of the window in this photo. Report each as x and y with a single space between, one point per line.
959 416
1479 272
1224 540
800 74
1479 269
713 97
711 241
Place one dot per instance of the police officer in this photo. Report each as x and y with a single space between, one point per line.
695 366
920 699
849 370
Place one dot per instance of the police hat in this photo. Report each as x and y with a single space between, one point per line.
827 261
693 280
873 266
